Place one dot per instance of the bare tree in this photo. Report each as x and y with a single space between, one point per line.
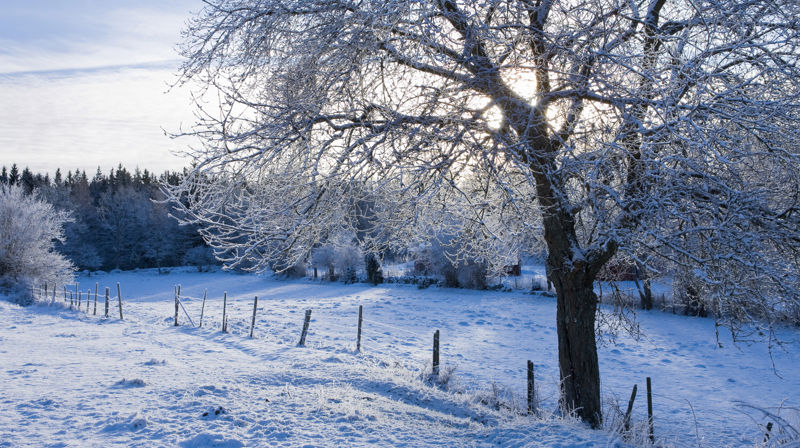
643 126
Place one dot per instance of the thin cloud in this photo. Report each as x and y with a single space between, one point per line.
83 83
54 35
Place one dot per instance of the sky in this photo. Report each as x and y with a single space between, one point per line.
86 84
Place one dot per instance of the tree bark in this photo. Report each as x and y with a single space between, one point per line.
571 269
577 347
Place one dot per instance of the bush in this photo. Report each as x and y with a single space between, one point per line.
297 270
201 257
473 275
373 268
468 273
29 227
325 259
687 293
338 261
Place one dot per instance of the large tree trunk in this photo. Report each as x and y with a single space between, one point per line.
572 271
577 348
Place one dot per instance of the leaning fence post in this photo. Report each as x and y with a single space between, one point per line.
203 308
88 300
224 317
627 420
78 297
650 410
119 298
531 397
253 324
436 352
107 294
306 321
177 298
360 320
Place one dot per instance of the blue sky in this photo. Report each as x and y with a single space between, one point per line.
83 83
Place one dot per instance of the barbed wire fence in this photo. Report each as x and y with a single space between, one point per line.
330 326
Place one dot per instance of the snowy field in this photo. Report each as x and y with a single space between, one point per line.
74 379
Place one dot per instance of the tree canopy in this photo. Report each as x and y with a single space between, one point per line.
661 130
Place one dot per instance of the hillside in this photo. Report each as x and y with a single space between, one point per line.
75 379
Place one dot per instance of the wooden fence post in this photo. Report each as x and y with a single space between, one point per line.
88 299
627 421
436 353
253 324
306 321
360 320
78 298
224 308
45 291
96 286
71 300
65 293
531 393
203 308
119 298
650 410
177 298
108 291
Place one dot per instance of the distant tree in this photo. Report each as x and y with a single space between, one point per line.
41 181
4 175
652 126
162 244
123 216
121 178
13 175
28 228
146 236
27 180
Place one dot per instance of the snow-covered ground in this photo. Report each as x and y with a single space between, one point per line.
72 379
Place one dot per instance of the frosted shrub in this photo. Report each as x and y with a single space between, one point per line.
373 268
201 257
348 260
323 258
28 229
338 261
456 273
473 274
285 269
297 270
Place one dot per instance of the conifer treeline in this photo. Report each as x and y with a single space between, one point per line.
116 223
